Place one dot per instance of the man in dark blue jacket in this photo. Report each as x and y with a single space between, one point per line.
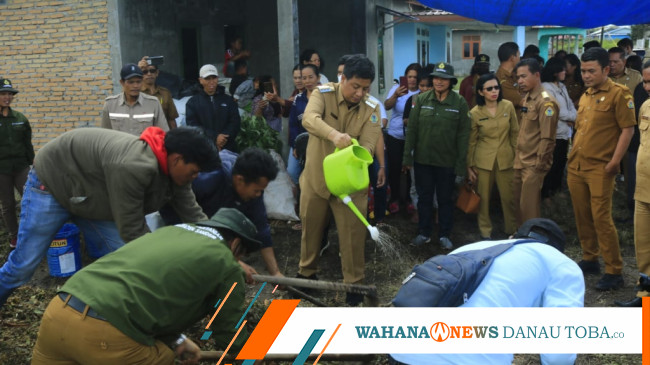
214 111
240 184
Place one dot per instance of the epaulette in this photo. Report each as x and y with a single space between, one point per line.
110 97
325 88
372 104
545 95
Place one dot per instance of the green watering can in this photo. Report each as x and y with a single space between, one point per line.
346 172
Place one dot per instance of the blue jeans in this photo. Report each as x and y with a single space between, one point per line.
430 180
41 217
294 168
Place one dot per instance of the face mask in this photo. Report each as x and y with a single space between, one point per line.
339 77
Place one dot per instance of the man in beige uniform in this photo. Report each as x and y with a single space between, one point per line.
509 56
619 73
535 142
604 127
642 196
132 111
335 114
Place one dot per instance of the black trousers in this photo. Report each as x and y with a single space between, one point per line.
555 176
394 155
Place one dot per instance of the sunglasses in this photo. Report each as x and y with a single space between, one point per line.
490 88
152 71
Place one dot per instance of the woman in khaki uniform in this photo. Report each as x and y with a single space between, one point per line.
491 151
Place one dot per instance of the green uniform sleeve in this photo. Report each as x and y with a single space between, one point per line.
185 205
27 141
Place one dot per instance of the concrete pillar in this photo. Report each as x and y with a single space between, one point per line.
114 43
520 38
288 43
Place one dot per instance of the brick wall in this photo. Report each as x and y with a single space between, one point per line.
57 55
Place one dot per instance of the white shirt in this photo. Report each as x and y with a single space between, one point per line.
396 123
567 109
527 275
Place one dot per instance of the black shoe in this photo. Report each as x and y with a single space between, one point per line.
636 302
589 267
610 282
353 299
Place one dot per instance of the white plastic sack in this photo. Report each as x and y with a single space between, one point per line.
154 221
278 195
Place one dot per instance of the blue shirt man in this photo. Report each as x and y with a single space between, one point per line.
532 274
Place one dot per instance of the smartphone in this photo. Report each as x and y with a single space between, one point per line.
268 87
156 60
403 82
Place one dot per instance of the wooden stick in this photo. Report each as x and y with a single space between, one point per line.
216 355
369 290
305 296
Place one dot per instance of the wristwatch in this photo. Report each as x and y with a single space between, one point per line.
179 340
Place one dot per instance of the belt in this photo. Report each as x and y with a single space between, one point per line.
78 305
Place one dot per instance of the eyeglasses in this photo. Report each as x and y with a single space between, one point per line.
151 71
490 88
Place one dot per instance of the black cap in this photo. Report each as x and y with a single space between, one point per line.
444 70
543 230
482 58
235 221
130 70
6 85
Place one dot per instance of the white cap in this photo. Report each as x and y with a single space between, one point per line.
208 70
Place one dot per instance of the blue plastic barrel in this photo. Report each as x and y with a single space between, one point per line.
64 254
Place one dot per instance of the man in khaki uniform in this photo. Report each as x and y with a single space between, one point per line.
509 56
132 111
619 73
642 194
335 114
149 87
604 127
535 142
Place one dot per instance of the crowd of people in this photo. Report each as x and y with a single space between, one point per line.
520 127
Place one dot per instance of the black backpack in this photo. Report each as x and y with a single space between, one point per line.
449 280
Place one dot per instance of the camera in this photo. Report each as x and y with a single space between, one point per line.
155 60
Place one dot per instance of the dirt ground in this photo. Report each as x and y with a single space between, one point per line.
20 317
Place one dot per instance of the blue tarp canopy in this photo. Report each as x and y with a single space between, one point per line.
567 13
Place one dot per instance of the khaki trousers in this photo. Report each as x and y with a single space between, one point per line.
314 215
591 195
527 189
642 239
486 179
67 337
